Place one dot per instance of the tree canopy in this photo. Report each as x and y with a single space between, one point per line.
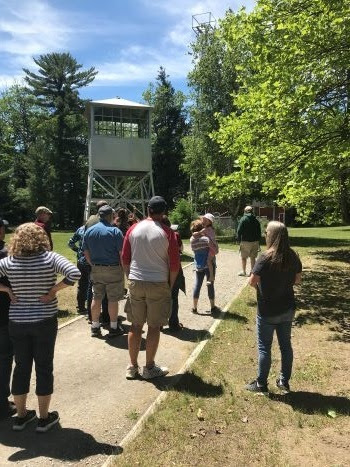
168 128
291 131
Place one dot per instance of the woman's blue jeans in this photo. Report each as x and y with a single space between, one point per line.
199 281
266 325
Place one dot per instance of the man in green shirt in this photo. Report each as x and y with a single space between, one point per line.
248 236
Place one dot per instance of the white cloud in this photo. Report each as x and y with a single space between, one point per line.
32 27
181 34
141 64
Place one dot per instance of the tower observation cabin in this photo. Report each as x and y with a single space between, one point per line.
120 156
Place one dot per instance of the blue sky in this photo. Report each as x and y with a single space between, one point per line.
126 41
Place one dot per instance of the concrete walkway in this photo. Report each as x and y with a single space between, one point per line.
97 405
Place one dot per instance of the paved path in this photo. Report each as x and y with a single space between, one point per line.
97 405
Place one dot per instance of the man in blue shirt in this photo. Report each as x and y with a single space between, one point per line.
101 245
83 267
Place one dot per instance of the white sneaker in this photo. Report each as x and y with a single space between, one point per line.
154 372
132 372
242 274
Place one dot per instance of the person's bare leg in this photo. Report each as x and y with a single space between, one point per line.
152 342
134 342
252 263
244 265
113 311
211 269
44 404
96 309
21 404
195 303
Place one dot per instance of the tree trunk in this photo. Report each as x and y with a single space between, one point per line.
344 197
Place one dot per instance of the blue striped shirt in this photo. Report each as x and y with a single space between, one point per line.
32 277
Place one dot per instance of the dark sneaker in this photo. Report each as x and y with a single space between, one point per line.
44 424
21 422
96 332
254 387
116 332
284 387
194 311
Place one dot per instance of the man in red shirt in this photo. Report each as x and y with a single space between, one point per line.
151 262
43 220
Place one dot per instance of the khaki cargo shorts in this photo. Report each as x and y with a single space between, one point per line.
107 280
150 302
249 249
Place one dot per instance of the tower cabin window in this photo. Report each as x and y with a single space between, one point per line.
121 123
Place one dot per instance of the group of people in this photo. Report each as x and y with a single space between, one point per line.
147 252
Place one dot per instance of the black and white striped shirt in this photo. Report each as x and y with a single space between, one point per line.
32 277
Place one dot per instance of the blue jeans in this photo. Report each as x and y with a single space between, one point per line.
266 325
199 281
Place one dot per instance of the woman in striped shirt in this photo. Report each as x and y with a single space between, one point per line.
32 271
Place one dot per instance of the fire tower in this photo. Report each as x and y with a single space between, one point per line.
120 157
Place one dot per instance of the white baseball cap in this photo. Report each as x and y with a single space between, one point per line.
210 217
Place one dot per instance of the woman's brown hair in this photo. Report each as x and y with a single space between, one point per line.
28 240
279 252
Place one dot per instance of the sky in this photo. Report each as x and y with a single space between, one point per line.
126 41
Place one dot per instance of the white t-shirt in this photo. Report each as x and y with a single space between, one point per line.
151 250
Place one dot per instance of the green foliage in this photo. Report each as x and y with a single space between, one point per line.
212 82
19 119
182 214
292 131
59 155
168 128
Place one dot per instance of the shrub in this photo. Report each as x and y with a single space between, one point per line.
182 215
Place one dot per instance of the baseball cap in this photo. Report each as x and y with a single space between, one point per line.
157 204
210 217
42 209
105 210
3 222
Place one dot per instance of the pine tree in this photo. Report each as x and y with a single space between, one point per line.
168 128
55 87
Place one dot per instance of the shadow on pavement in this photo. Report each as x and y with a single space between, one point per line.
188 334
121 342
313 402
65 444
188 383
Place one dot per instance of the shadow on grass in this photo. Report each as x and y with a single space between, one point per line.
324 298
188 383
341 256
232 315
313 402
318 242
64 444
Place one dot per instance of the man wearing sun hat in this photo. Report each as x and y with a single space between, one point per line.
102 245
151 262
43 220
248 235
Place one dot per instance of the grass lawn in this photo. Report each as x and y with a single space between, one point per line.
310 426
